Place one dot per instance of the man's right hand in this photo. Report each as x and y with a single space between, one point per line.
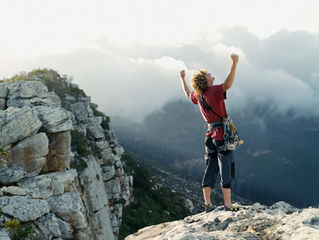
234 57
182 74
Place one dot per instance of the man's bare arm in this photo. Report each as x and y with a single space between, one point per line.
231 75
185 87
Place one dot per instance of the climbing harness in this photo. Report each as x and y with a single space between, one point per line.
231 136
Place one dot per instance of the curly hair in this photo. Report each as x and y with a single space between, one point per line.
199 81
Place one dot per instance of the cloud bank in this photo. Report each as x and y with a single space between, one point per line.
134 80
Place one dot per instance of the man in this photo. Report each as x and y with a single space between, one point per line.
210 99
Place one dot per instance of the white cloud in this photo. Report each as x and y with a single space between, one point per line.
135 80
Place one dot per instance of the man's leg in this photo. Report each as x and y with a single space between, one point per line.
206 192
227 174
227 197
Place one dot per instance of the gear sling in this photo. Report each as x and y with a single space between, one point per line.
231 136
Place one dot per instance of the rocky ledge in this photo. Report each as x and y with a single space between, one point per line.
279 221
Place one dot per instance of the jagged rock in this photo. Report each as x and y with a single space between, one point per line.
17 124
70 211
95 131
107 157
4 234
81 110
49 226
14 191
55 99
24 208
253 222
25 90
47 102
59 151
92 182
3 90
108 172
45 186
29 154
54 119
11 174
102 145
283 207
126 189
113 188
65 229
2 104
101 226
189 204
70 99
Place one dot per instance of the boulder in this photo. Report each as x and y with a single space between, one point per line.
95 131
47 185
59 151
113 188
25 209
49 226
25 90
92 184
65 229
29 154
69 207
14 191
81 110
108 172
54 119
10 175
101 227
17 124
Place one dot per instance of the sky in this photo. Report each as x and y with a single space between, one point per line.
126 54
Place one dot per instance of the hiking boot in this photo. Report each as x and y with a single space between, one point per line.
209 208
232 208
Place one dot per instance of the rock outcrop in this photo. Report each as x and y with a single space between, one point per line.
279 221
62 175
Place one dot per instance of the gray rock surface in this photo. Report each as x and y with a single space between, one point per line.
17 124
2 104
47 185
54 119
70 211
251 222
24 208
3 90
59 151
14 191
25 90
36 178
29 154
49 226
10 175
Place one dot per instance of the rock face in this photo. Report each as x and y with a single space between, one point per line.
61 187
279 221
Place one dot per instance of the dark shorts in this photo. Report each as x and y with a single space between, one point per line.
218 162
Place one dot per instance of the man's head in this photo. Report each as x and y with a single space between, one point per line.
201 80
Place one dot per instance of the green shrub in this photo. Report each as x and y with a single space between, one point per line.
61 85
78 163
150 206
79 143
12 225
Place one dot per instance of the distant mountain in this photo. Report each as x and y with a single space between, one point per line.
278 161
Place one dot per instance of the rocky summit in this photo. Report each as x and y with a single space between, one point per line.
279 221
61 171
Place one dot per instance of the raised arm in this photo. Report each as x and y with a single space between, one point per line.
185 87
231 75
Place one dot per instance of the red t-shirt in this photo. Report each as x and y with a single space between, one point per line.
215 97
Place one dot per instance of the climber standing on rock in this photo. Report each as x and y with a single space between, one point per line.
210 99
